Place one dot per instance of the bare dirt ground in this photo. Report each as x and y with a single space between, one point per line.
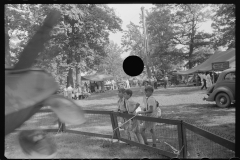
183 103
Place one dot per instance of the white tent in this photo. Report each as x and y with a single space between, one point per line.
219 56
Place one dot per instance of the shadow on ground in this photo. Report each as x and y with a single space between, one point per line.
80 146
220 121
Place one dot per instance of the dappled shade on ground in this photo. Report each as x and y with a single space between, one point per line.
79 146
183 103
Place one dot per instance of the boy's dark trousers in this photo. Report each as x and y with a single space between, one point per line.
204 84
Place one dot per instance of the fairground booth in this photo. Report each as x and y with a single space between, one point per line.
97 80
219 61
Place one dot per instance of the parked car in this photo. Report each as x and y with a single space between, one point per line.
223 91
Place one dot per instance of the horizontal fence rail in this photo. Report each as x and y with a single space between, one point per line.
174 138
151 119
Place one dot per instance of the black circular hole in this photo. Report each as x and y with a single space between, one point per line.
133 65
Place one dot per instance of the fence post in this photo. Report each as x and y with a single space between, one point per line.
114 125
182 140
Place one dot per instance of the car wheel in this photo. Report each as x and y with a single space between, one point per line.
223 100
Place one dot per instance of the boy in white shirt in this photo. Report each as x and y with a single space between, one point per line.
122 108
133 126
151 111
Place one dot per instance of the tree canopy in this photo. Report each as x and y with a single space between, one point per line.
175 37
77 42
224 25
80 40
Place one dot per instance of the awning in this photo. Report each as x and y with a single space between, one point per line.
84 79
218 56
98 77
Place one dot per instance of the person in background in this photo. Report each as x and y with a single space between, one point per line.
92 87
86 85
69 90
95 87
65 92
201 77
102 86
208 80
199 80
165 81
155 82
99 86
74 93
85 94
204 81
79 91
113 84
127 83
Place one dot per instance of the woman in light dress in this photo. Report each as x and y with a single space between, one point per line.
209 81
201 77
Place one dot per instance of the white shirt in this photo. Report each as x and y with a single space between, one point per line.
130 105
209 81
150 101
69 89
65 92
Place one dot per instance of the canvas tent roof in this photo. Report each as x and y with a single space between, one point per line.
98 77
219 56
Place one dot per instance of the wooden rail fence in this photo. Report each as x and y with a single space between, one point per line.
181 126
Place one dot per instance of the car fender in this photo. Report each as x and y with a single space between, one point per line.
223 89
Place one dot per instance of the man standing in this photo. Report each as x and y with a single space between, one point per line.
127 82
86 86
204 81
155 83
165 81
113 84
69 90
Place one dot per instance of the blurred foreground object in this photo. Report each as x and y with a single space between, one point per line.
27 90
37 144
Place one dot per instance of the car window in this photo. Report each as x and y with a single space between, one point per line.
230 76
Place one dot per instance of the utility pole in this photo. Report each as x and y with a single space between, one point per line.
145 43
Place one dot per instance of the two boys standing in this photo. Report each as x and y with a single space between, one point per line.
132 128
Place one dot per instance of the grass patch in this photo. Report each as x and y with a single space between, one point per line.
80 146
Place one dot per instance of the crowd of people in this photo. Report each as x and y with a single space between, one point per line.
80 92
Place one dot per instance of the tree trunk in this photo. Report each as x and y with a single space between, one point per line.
190 56
70 78
191 44
70 72
78 76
